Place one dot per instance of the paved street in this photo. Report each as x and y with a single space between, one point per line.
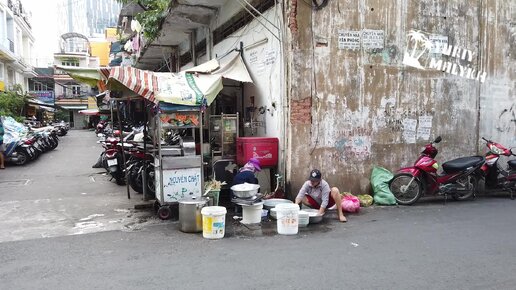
69 227
60 194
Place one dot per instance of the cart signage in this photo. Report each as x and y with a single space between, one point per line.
180 119
180 183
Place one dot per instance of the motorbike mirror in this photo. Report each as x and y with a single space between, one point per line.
438 139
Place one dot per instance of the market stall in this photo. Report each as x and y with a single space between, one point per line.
179 101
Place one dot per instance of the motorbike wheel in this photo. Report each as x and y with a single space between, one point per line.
135 180
23 157
151 187
405 195
120 180
460 196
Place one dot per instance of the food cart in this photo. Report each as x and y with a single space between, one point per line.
178 167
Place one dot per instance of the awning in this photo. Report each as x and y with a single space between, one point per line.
188 87
41 105
90 76
142 82
194 87
89 112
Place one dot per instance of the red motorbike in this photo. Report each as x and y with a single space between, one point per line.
459 177
496 176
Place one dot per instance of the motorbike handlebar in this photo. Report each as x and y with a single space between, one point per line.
486 139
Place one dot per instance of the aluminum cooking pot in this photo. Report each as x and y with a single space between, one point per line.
190 217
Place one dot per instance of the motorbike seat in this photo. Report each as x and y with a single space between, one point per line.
462 163
512 164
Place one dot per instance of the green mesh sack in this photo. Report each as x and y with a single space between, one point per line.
380 178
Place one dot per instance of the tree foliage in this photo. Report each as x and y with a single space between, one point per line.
152 16
12 103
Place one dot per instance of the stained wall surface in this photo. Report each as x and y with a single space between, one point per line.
366 89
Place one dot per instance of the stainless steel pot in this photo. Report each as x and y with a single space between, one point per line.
190 217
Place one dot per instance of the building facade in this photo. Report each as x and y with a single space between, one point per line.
71 95
87 17
16 46
349 85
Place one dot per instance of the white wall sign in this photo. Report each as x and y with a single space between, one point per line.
373 39
349 39
439 43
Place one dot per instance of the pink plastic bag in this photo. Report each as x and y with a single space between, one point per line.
350 203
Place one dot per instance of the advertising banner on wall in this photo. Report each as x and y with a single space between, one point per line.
46 97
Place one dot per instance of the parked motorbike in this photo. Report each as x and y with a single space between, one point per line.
112 159
61 128
19 153
459 177
498 176
101 125
135 167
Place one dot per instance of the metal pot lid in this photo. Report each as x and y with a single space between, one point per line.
193 200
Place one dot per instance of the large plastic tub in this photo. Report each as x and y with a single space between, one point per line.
288 218
264 149
213 222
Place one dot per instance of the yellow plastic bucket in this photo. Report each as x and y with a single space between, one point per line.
213 222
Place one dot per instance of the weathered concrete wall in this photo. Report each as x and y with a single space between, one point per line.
498 94
353 109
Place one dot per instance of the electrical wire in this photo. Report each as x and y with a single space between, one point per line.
259 13
257 19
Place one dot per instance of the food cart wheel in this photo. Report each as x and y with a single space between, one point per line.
156 206
164 212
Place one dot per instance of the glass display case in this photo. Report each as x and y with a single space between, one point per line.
223 135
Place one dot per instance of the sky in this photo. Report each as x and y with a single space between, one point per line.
44 29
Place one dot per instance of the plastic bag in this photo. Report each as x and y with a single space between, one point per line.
350 203
365 200
380 178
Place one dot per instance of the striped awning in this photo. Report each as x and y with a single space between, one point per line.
194 87
142 82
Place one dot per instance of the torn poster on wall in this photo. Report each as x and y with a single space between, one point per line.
457 63
425 127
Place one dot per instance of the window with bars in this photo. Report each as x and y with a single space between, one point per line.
70 63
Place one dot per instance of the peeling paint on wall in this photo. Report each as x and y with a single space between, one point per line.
369 109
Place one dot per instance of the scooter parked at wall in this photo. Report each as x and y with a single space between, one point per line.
459 177
19 153
499 176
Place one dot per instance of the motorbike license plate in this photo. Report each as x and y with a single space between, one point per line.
112 162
